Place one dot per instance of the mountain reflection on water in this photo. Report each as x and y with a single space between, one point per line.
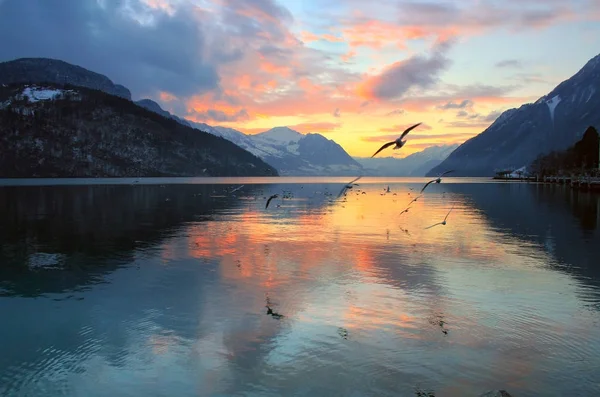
152 289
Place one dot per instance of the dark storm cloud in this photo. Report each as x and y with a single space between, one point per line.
165 52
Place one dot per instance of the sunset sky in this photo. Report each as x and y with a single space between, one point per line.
355 71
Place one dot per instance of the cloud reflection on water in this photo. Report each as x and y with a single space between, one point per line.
193 315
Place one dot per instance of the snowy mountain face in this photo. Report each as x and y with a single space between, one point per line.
554 122
291 152
279 135
416 164
32 93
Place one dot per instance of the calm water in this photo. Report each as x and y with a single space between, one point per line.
158 289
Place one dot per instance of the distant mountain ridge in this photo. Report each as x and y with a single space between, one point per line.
290 152
416 164
554 122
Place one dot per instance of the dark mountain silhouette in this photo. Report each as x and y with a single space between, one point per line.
579 158
45 70
68 131
518 136
155 107
416 164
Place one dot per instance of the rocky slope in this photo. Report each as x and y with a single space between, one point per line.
518 136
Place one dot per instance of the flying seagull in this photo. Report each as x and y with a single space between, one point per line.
399 142
347 186
269 200
409 204
437 180
442 222
273 314
415 199
236 189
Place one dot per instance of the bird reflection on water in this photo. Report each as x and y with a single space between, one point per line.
175 291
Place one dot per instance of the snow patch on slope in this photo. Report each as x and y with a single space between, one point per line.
282 135
552 104
36 94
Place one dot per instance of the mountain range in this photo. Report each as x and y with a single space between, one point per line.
291 152
518 136
296 154
54 130
416 164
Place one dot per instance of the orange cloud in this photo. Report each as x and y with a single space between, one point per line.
304 128
440 138
442 21
167 97
308 37
318 127
401 127
348 56
281 70
377 34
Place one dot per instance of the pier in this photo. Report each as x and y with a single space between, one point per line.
585 183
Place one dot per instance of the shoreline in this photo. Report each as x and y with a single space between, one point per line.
575 182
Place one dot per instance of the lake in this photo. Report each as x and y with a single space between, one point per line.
160 287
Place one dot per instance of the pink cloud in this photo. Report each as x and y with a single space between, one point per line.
401 127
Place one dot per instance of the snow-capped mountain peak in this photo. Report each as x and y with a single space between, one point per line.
291 152
280 134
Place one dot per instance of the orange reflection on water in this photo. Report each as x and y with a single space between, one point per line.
357 263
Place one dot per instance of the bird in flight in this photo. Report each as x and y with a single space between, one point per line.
349 185
442 222
236 189
274 314
399 142
409 204
437 180
269 200
405 210
415 199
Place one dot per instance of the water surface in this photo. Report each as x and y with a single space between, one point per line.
158 287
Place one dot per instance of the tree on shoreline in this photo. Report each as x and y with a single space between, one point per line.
581 158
